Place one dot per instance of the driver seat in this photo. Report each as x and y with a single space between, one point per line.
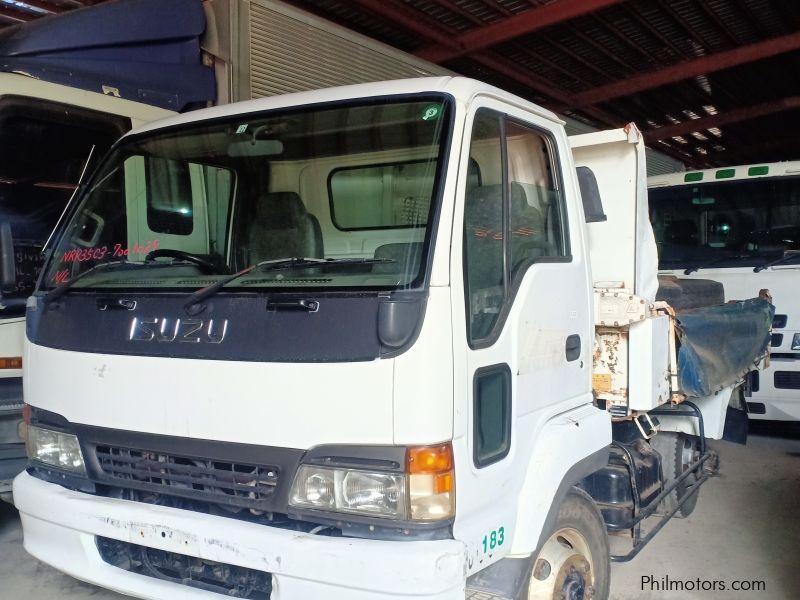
283 228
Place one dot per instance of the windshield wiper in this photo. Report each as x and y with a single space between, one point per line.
713 262
279 264
787 256
60 290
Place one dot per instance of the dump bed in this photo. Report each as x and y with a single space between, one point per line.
657 340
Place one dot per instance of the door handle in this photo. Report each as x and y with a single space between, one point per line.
573 347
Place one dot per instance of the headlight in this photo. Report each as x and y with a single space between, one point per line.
424 492
56 449
345 490
796 342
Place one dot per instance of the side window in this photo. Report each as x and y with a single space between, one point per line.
513 217
382 196
536 214
492 427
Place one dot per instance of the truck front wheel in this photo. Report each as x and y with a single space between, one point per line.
573 563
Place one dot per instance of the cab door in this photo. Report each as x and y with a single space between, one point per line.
521 309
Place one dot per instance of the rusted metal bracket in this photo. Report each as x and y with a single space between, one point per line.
663 308
653 428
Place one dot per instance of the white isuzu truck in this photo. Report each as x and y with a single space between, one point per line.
740 226
79 80
381 341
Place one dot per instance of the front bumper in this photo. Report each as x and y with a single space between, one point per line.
60 526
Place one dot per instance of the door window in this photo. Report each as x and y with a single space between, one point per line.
514 218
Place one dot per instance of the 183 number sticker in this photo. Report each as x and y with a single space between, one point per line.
494 539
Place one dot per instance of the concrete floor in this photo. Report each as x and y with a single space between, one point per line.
746 527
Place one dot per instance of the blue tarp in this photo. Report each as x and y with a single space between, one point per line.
149 50
719 344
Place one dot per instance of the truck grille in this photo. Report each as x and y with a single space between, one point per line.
231 484
787 380
221 578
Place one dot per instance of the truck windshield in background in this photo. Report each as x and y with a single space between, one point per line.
727 224
343 182
43 148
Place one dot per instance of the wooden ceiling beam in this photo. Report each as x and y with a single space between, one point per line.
512 27
687 69
411 20
14 15
692 159
408 18
49 7
780 148
724 118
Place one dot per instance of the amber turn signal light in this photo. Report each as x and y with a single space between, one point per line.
12 362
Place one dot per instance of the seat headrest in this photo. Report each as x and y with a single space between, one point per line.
523 213
484 204
279 210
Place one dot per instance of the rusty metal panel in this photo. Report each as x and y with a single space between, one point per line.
615 308
610 368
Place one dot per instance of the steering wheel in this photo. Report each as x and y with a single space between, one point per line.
201 262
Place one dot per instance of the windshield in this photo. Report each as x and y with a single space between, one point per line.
735 223
343 182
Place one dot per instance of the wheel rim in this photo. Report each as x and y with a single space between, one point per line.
689 454
564 568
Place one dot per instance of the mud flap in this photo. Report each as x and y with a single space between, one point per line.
736 426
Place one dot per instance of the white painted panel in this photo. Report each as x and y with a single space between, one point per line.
275 404
714 409
423 379
648 363
622 248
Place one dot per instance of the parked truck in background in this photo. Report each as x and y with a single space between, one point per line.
740 226
59 100
390 340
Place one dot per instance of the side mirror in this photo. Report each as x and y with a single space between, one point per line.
590 194
8 266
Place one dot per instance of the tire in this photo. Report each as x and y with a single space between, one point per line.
678 451
573 563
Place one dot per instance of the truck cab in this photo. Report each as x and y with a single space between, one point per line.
342 342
